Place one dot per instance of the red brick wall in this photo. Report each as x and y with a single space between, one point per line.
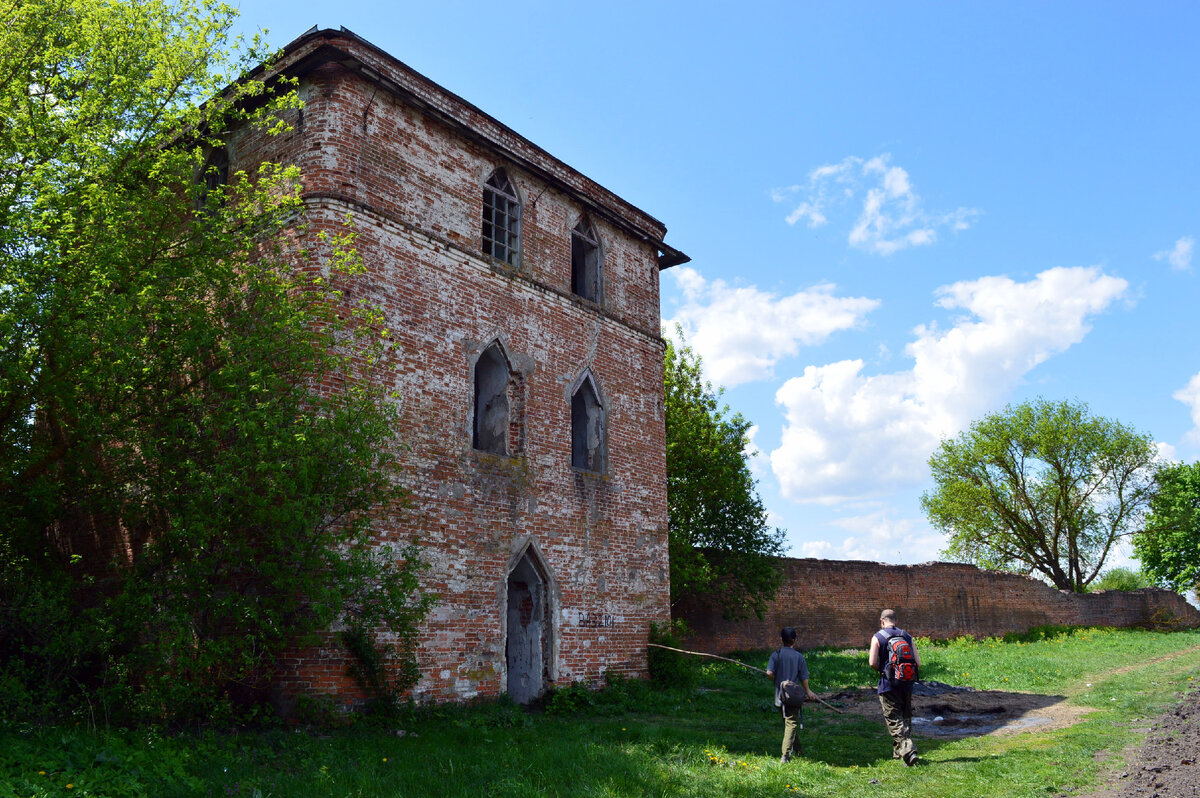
837 603
413 182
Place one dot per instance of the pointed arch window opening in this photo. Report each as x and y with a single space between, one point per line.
587 428
501 219
492 411
214 175
585 262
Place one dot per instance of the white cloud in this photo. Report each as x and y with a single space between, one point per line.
878 537
818 549
1190 396
891 217
850 435
741 332
1166 453
754 455
1180 257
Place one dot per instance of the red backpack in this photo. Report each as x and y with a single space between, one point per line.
900 663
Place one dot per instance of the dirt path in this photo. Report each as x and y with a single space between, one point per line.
943 710
1165 766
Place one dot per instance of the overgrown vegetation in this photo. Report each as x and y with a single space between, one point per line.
670 668
722 548
634 739
1121 579
177 503
1169 545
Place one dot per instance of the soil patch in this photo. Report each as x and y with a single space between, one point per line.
943 710
1166 765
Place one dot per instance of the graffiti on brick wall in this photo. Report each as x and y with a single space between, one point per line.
595 620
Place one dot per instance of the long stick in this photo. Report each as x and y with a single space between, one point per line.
735 662
711 656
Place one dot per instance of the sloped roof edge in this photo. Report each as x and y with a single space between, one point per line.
318 46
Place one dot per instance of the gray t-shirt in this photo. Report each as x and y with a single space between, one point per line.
788 665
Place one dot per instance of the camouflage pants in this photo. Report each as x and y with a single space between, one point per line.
897 714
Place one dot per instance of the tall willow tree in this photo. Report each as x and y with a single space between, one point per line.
158 355
1042 487
722 548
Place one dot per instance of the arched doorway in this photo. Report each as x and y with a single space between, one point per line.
528 644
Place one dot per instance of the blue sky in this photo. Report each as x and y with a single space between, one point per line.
900 216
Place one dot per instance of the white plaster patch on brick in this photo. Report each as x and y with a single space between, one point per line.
415 188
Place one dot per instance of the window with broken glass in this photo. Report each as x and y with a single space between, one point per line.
501 219
585 262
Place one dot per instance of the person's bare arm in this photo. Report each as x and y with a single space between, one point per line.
873 658
811 695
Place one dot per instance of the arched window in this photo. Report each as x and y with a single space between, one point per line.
587 427
216 169
501 219
213 175
491 402
585 262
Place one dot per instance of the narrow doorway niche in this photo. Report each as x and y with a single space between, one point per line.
529 634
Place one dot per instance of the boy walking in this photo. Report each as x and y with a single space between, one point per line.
788 665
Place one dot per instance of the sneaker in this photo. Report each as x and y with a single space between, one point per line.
783 760
910 758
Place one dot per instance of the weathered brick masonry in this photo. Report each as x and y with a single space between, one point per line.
837 603
548 571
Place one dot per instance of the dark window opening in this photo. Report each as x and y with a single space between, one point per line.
216 171
214 175
501 219
587 429
491 402
585 262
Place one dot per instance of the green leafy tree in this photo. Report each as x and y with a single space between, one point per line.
1121 579
720 543
1169 545
1043 487
164 374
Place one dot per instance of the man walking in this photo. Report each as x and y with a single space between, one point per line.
788 665
897 664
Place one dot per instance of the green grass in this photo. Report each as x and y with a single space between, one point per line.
720 739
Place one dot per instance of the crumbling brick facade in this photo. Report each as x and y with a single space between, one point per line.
531 398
